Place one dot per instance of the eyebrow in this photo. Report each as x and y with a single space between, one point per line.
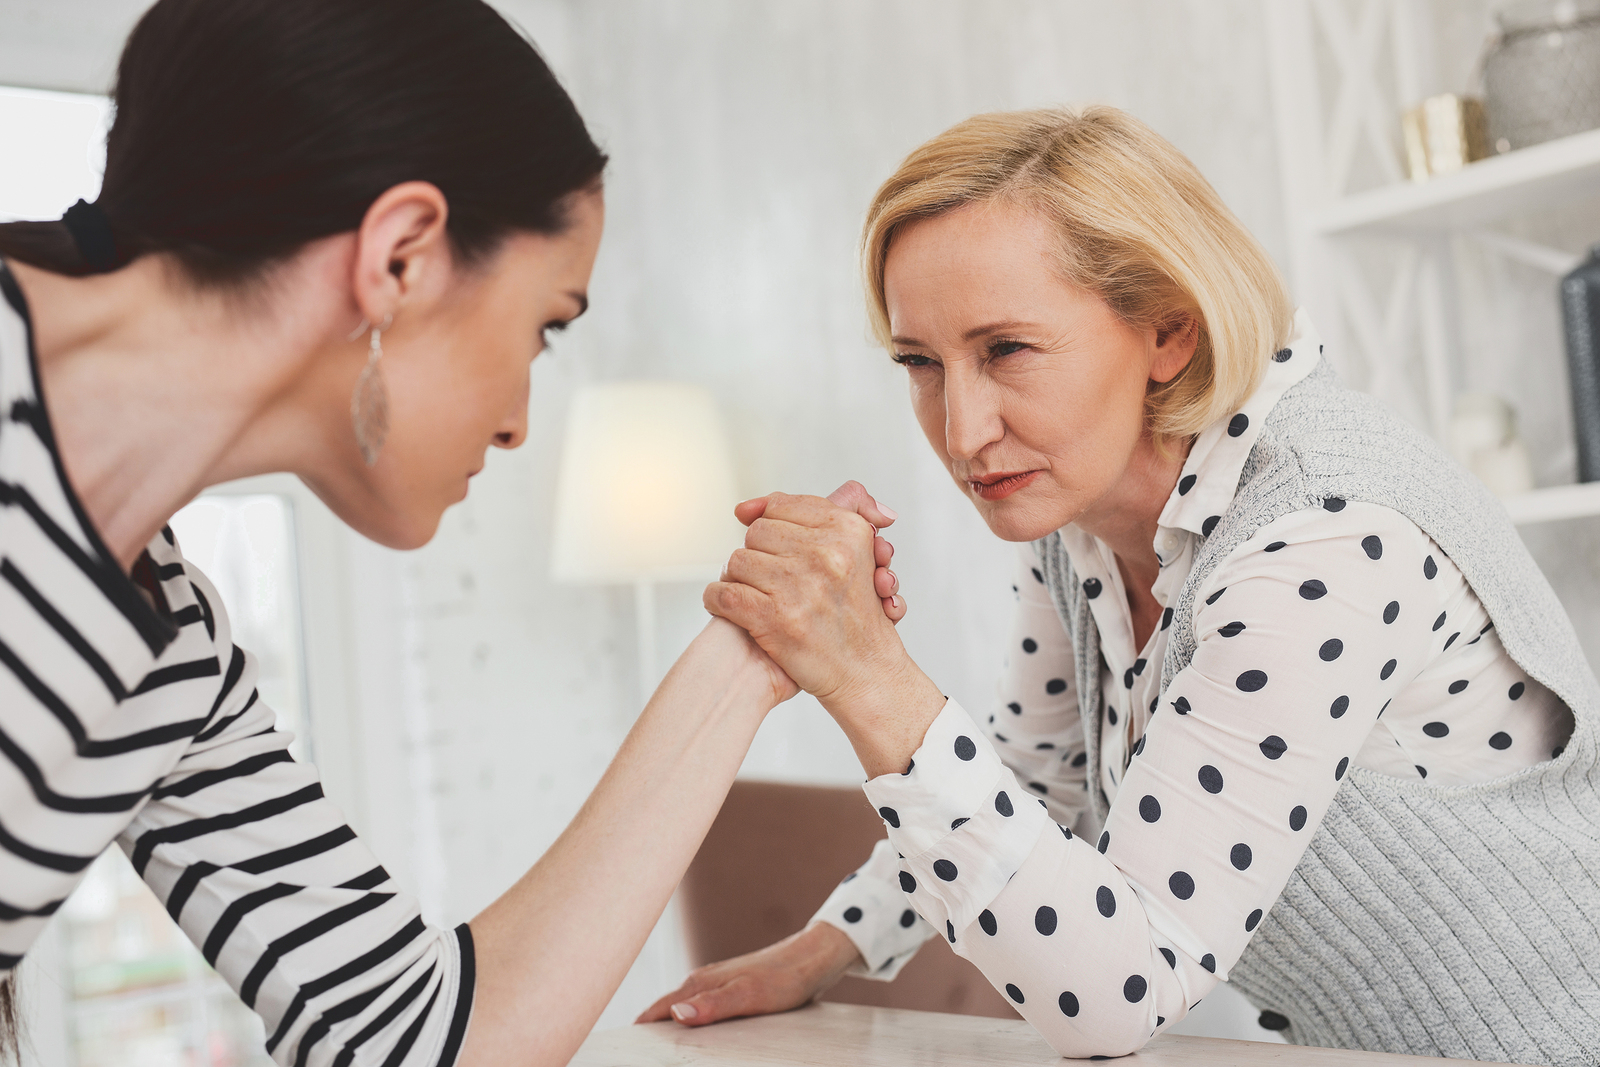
976 331
582 301
996 327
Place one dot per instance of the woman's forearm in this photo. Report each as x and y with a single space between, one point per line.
886 714
554 947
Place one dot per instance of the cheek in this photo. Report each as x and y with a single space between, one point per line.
927 403
500 378
463 403
1091 421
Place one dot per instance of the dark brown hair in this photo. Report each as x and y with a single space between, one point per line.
244 129
10 1025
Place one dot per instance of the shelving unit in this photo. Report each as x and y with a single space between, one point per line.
1482 193
1376 57
1555 503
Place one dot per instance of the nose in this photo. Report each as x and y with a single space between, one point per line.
972 419
514 430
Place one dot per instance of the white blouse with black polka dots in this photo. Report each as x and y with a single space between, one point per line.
1336 635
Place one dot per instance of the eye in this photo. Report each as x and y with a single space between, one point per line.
1005 348
911 359
549 328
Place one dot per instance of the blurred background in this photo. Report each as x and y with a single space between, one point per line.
461 702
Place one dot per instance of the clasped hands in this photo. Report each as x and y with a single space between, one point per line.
813 588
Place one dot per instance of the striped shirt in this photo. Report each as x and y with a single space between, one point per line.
127 714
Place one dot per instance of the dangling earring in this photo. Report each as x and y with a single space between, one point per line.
369 404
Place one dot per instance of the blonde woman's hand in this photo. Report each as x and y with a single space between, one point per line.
805 586
781 976
853 497
811 588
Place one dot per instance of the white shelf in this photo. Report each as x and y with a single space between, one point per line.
1525 180
1555 503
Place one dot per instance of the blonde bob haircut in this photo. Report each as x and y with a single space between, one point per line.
1140 228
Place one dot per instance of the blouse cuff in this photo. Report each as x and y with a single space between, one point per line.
949 778
869 908
959 821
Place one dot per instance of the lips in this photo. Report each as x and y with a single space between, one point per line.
998 486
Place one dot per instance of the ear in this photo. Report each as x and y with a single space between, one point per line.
402 250
1174 348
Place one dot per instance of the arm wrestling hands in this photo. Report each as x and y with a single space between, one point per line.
812 588
856 511
809 588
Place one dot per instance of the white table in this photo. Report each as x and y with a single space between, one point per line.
847 1035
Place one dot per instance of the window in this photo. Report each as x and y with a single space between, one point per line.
55 151
245 544
136 992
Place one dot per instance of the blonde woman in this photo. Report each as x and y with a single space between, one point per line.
1286 703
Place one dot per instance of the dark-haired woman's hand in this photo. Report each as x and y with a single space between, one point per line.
809 588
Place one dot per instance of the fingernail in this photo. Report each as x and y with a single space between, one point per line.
887 510
684 1011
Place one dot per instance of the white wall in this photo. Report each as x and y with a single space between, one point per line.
64 44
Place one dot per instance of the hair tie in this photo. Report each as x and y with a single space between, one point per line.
91 232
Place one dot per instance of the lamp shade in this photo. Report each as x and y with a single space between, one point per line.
646 486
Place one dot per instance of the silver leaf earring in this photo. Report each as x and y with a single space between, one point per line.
369 404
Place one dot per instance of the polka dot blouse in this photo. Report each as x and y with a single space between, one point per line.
1337 636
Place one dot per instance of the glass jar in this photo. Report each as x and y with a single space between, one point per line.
1541 72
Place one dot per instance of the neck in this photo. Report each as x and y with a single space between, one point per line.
1126 518
157 389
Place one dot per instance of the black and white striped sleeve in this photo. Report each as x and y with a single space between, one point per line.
128 714
264 875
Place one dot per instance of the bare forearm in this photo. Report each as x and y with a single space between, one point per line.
553 949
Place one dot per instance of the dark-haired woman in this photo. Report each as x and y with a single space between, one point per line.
331 238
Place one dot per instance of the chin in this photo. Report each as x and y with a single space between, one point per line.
1017 520
403 530
406 525
411 532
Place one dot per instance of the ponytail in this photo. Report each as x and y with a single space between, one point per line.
10 1025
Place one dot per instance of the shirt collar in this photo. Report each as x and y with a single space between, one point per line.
1210 475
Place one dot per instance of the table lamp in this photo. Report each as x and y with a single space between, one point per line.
645 494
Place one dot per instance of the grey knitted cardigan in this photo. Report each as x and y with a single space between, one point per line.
1453 921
